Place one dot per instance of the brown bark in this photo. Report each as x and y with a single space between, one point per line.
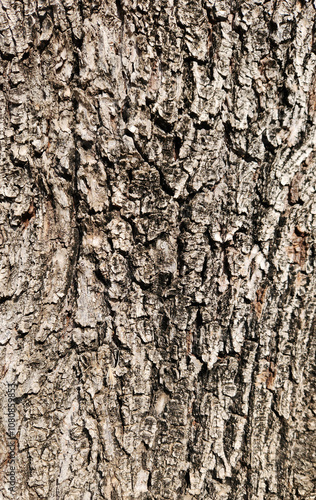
158 248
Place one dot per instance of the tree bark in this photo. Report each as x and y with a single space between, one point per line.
158 222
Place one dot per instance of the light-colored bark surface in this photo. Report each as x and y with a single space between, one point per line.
158 220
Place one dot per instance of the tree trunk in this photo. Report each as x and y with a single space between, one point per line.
158 222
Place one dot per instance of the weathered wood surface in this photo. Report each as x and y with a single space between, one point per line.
158 221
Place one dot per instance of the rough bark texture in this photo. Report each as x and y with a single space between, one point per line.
158 222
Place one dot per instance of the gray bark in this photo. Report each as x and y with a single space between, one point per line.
158 222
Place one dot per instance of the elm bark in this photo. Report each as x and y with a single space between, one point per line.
158 222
